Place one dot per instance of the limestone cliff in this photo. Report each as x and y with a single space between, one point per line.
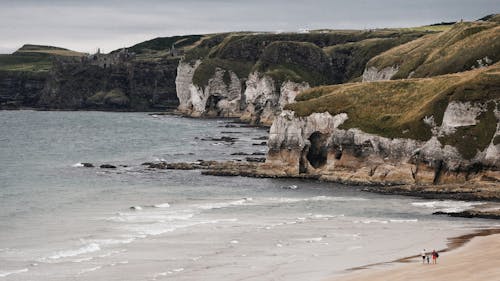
315 145
453 136
254 99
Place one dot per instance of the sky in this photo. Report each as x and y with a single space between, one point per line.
112 24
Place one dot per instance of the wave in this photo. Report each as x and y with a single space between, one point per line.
312 199
220 205
403 220
7 273
449 206
150 217
77 165
163 205
89 270
89 248
385 221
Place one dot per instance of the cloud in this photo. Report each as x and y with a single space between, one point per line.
111 24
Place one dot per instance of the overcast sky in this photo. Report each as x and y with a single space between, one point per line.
111 24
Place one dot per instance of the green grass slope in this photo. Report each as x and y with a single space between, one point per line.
291 56
34 58
455 50
397 108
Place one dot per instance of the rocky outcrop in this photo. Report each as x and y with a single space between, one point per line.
254 99
20 89
316 145
373 74
131 85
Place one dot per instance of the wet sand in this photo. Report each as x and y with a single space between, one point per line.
470 257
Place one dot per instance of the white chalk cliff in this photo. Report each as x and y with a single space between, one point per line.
315 145
260 101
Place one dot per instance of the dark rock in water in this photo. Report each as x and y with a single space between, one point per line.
240 153
262 143
107 166
258 153
87 165
160 165
472 214
152 165
261 138
225 139
256 159
136 208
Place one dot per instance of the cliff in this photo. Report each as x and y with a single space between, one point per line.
141 77
253 76
444 129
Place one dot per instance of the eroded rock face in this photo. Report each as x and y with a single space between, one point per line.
184 84
315 145
19 89
259 102
374 74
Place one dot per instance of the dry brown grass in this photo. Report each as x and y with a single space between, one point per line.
451 51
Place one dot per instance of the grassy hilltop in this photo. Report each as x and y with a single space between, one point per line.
33 58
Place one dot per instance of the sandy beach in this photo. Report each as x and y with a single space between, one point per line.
476 260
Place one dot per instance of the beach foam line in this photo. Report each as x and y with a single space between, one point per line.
449 206
89 248
87 270
12 272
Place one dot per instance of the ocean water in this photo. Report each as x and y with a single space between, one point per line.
61 221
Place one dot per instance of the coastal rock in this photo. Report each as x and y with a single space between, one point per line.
259 102
107 166
316 145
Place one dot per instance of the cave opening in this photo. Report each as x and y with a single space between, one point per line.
212 104
318 151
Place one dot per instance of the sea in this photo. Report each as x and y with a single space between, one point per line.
62 221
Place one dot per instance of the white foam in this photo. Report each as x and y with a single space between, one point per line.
221 205
89 270
77 165
369 221
312 199
82 259
178 269
163 205
7 273
92 247
449 206
403 220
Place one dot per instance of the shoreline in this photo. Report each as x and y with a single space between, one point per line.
402 267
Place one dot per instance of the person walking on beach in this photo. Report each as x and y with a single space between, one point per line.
423 255
435 255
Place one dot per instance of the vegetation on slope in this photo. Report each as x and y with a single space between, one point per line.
34 58
159 48
397 108
288 56
465 46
